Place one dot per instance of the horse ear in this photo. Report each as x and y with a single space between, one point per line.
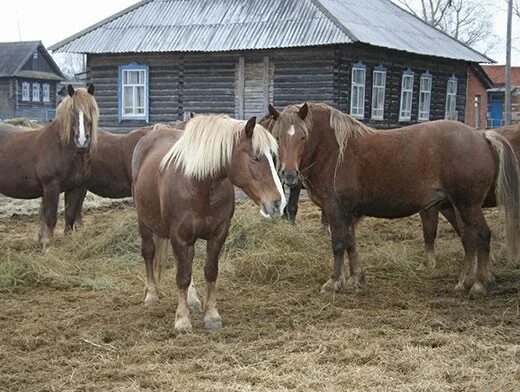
70 90
304 111
250 127
91 89
273 112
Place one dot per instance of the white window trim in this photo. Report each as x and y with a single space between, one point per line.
359 111
134 116
375 89
421 114
46 92
26 92
36 97
454 80
406 74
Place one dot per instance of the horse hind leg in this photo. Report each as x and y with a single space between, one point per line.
430 221
476 239
73 208
184 254
48 215
148 251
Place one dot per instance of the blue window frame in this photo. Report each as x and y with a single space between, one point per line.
133 92
451 97
378 93
405 111
425 95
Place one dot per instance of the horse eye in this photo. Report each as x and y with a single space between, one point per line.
303 138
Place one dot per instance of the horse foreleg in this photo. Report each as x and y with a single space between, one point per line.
292 205
48 214
338 234
430 222
73 208
212 319
184 254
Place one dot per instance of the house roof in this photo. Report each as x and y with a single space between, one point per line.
14 55
227 25
497 74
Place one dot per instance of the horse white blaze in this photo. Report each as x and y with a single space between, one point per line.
291 131
276 182
82 137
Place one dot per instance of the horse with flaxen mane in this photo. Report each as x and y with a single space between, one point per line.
183 190
351 170
53 159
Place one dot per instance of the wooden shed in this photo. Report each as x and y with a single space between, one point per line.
159 58
28 81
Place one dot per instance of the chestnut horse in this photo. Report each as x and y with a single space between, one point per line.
351 170
110 172
430 216
53 159
183 190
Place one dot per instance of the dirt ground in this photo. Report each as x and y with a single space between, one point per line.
73 320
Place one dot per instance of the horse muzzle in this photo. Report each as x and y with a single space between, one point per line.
271 210
290 178
82 144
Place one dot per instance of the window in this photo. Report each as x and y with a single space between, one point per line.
357 103
451 97
26 92
133 97
405 112
378 93
36 92
425 95
46 92
35 55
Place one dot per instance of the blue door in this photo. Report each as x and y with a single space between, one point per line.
496 114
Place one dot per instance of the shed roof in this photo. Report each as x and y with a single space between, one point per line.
14 55
227 25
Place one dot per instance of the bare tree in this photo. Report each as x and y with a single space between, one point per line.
71 64
516 8
465 20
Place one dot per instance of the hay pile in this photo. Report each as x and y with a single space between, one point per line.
73 319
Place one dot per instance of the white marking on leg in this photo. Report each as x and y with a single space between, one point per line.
276 182
82 138
291 131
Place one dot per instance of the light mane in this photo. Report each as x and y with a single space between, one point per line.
81 101
207 145
345 126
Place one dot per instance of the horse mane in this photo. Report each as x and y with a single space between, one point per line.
81 101
207 143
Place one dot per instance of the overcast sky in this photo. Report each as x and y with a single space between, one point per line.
53 20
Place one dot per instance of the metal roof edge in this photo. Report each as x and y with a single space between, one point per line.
325 11
95 26
442 32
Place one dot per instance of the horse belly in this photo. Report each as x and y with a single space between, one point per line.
388 209
18 183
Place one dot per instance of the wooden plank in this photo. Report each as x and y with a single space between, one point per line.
240 110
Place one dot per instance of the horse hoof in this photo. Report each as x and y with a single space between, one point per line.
477 291
151 301
183 325
460 287
213 323
195 306
332 286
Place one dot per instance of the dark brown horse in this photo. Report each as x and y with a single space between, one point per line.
183 190
53 159
110 172
430 216
351 170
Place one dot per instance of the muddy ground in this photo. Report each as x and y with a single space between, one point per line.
73 320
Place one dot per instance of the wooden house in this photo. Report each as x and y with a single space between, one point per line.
372 59
28 81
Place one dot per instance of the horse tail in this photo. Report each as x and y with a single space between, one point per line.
508 191
159 259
